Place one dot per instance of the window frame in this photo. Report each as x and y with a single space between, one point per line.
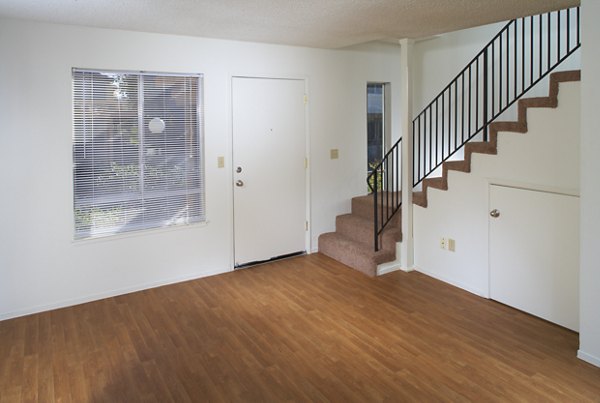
143 194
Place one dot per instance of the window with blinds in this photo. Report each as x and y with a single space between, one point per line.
137 151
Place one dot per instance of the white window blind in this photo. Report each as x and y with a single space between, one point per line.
137 151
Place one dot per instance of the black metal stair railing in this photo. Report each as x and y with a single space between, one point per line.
385 183
524 52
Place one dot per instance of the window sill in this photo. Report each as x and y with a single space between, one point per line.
139 233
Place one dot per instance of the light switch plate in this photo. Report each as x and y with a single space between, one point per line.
334 154
220 162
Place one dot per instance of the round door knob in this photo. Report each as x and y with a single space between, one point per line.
495 213
239 183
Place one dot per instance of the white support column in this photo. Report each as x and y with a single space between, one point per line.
406 246
589 255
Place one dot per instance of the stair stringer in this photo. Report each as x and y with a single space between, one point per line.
491 147
394 265
545 157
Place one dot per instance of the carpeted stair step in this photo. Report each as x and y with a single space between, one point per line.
420 198
355 254
363 206
439 182
352 243
360 229
490 146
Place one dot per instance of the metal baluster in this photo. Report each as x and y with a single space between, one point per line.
375 216
578 27
420 149
437 131
397 172
485 95
424 146
558 36
386 175
541 46
493 80
455 113
477 96
568 30
393 175
515 62
462 109
507 66
549 41
381 200
470 87
500 75
531 51
522 55
443 120
430 139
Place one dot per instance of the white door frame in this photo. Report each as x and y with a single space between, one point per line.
307 235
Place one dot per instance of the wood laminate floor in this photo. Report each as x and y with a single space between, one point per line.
303 329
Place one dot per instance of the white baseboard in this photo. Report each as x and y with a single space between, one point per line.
103 295
458 284
582 355
390 267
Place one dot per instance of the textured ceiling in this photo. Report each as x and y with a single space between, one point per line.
315 23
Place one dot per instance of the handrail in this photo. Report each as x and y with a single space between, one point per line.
525 51
521 54
385 179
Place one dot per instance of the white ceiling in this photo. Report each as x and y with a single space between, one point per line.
315 23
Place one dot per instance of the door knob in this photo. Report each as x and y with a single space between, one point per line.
495 213
239 183
238 169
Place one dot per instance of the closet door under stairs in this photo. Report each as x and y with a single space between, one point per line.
534 253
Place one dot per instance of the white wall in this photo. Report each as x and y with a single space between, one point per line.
41 267
439 59
589 336
545 158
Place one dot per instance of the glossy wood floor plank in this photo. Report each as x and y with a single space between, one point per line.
303 329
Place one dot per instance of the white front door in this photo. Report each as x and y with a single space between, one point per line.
269 174
534 253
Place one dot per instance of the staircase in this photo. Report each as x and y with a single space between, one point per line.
352 241
491 146
521 55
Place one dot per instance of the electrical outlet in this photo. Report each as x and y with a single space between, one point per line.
443 243
334 153
451 245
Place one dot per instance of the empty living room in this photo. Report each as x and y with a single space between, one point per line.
354 201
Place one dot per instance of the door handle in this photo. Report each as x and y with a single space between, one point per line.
239 183
495 213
